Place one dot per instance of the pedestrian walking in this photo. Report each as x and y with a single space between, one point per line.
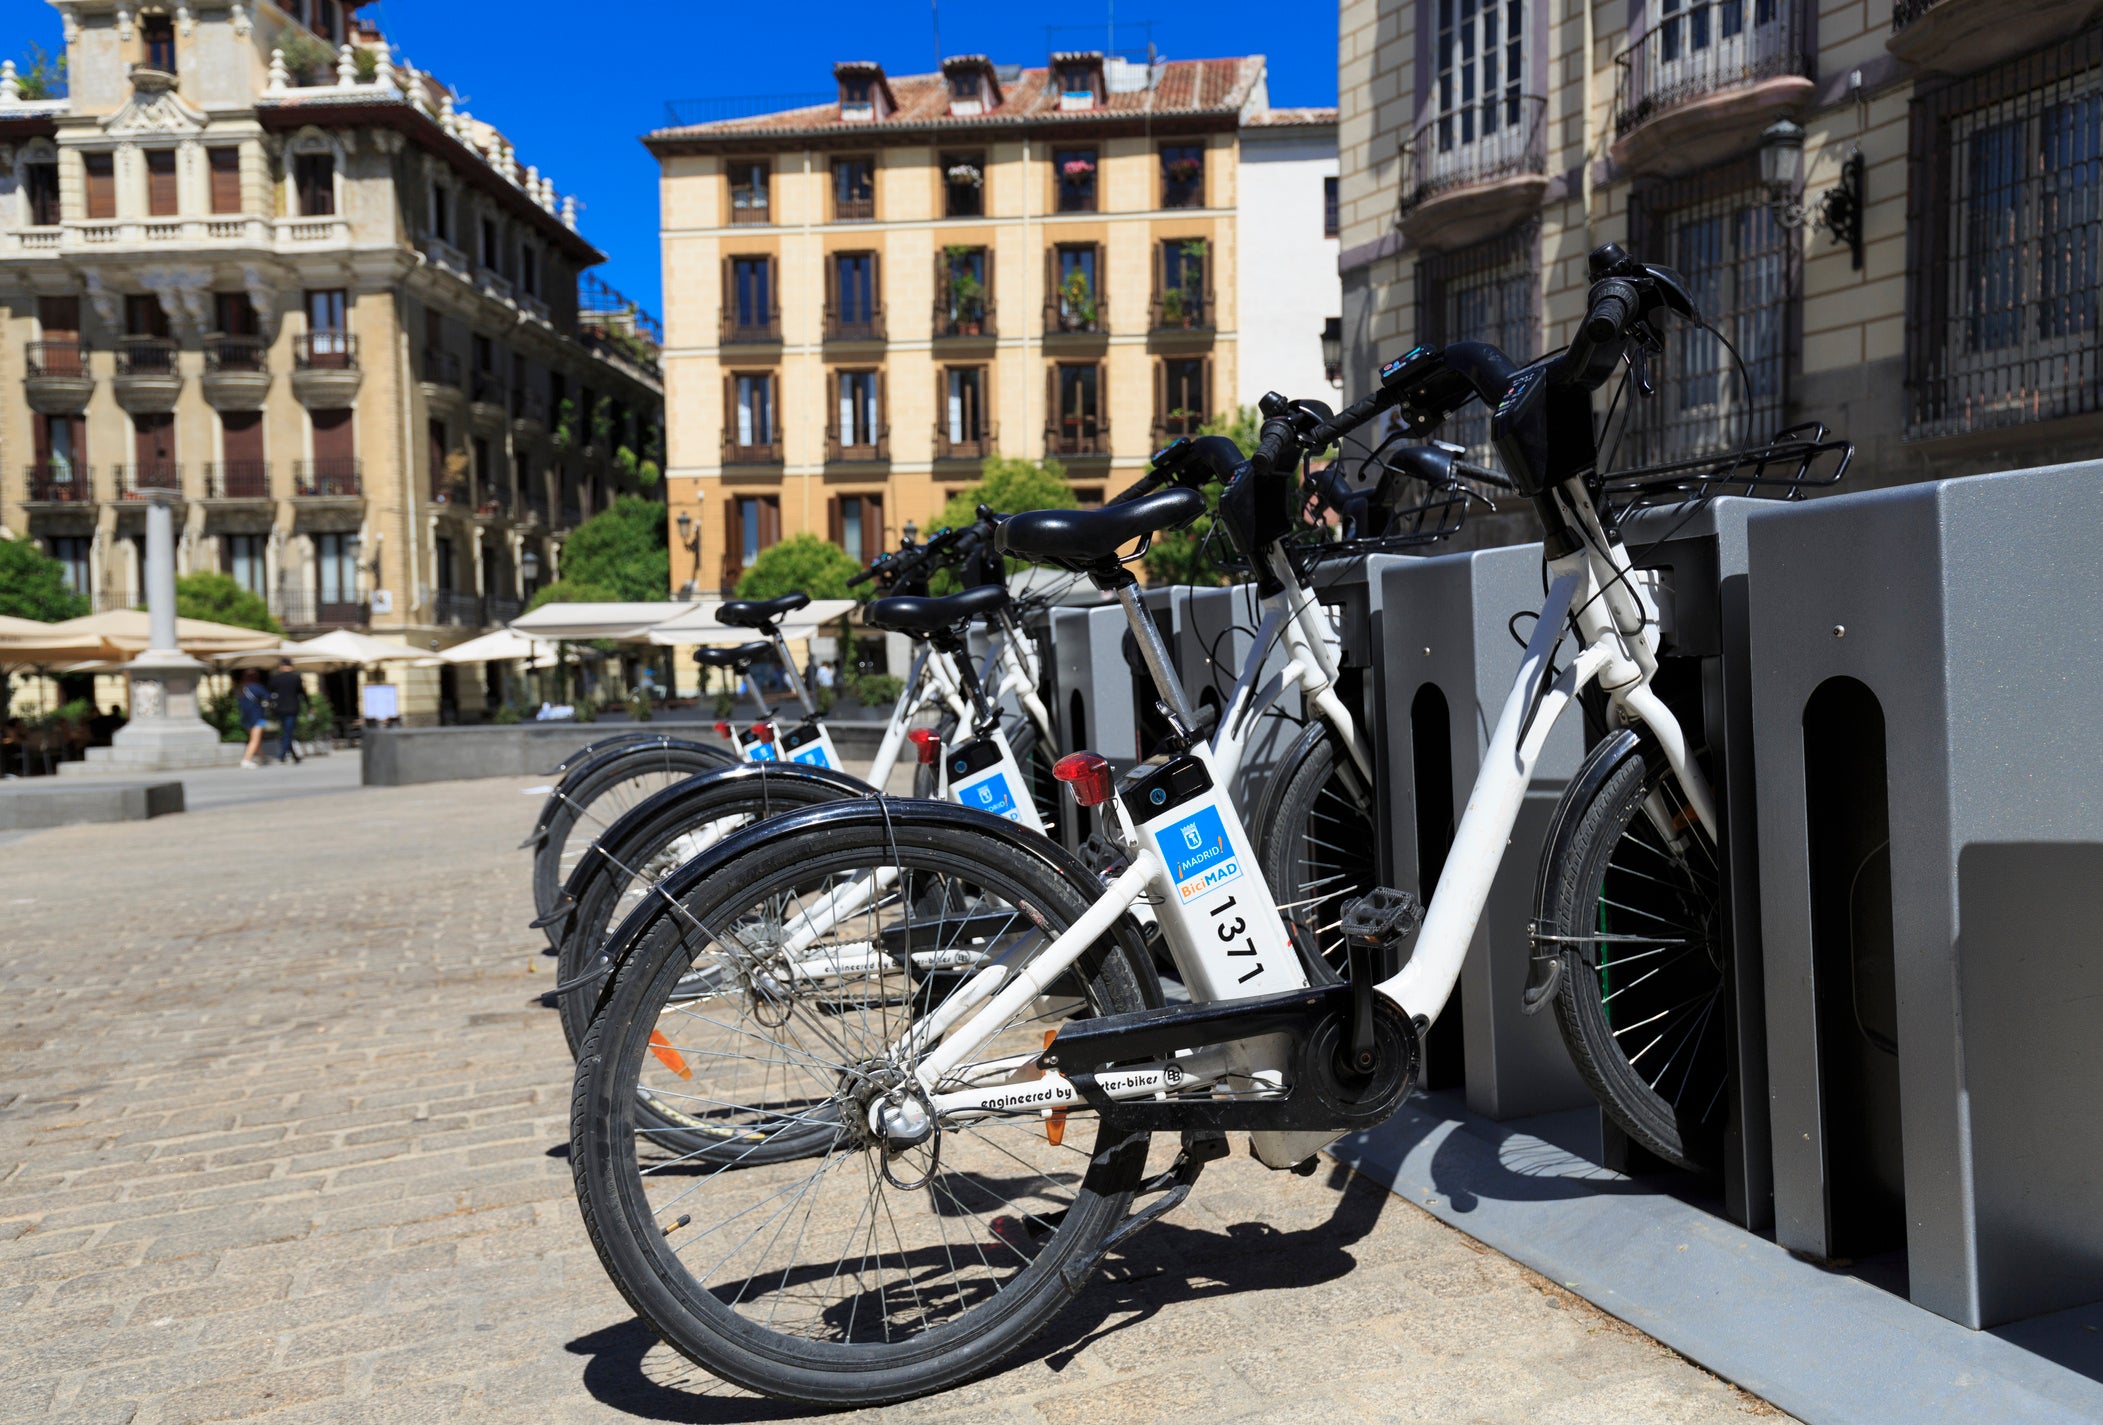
288 697
253 703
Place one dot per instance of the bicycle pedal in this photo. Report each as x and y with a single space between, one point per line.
1382 919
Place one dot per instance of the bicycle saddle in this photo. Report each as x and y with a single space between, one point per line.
1082 539
756 613
911 614
742 656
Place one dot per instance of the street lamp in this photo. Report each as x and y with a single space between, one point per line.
1782 175
690 537
529 566
912 532
1333 350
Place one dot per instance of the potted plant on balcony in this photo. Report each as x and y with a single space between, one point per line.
966 175
305 57
1077 172
967 294
1185 169
1076 302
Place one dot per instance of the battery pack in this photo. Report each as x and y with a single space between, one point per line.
810 744
982 774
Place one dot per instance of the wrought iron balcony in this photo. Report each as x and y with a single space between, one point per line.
874 445
760 452
149 478
303 608
749 328
66 358
325 351
235 354
1062 317
1475 171
969 447
488 389
856 323
335 478
1077 435
1720 70
441 368
1181 309
146 356
54 482
238 479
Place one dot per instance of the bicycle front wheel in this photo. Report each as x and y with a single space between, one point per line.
777 1003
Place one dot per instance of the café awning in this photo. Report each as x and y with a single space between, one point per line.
622 622
698 624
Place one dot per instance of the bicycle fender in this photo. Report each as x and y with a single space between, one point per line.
596 756
1544 971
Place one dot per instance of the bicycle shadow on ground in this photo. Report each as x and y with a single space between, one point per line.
1170 1264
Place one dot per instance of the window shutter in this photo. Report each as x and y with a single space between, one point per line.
226 180
1205 410
883 408
730 410
876 287
59 317
1051 398
241 436
991 307
41 433
161 201
1161 402
1051 287
77 427
1102 290
875 538
770 521
835 522
101 173
332 435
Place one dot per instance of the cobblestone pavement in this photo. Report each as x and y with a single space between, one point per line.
282 1135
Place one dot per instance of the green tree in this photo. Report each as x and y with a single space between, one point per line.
571 591
622 549
1178 555
33 585
307 57
40 74
1010 486
801 564
218 598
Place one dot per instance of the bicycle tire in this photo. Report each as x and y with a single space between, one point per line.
601 888
1317 840
875 1354
1651 1048
596 795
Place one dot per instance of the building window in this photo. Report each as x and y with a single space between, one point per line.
325 20
1073 177
858 431
2004 308
857 313
1717 230
964 184
963 430
1332 209
529 269
857 525
749 192
1182 176
1182 396
963 291
752 415
225 165
1184 300
314 176
71 552
328 338
40 187
749 310
1078 427
853 190
490 246
755 526
1077 303
1481 59
1489 292
144 316
162 198
335 574
233 314
241 555
441 212
158 33
99 170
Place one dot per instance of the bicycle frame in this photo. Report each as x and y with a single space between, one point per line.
1616 623
1295 616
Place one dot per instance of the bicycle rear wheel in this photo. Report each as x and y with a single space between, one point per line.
1631 900
1318 841
597 795
860 1270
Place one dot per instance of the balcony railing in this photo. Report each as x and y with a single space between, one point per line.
529 406
1705 48
873 445
334 478
1905 12
1063 316
572 515
67 357
302 608
441 368
238 479
854 210
451 606
750 328
969 447
146 356
236 353
325 351
149 478
498 610
964 319
752 453
858 324
1475 145
55 483
488 389
1077 435
1181 309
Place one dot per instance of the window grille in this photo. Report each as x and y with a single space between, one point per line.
1742 268
2003 229
1488 292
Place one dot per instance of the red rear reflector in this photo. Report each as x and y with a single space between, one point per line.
764 731
722 729
929 743
1088 774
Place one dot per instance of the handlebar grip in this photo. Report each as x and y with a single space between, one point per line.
1278 438
1612 306
1350 418
862 578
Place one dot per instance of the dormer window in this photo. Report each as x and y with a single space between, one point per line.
1079 78
158 32
865 97
973 90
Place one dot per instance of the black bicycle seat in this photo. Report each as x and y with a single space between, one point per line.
741 656
758 613
910 614
1085 539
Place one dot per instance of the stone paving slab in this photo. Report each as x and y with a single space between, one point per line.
282 1137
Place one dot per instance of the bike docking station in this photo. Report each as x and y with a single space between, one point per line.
1447 659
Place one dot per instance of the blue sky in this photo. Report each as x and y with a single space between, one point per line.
574 84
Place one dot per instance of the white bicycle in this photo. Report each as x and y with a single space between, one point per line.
913 1172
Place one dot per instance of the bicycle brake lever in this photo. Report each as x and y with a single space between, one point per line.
1639 367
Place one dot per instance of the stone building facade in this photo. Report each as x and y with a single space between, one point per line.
330 313
866 296
1488 145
